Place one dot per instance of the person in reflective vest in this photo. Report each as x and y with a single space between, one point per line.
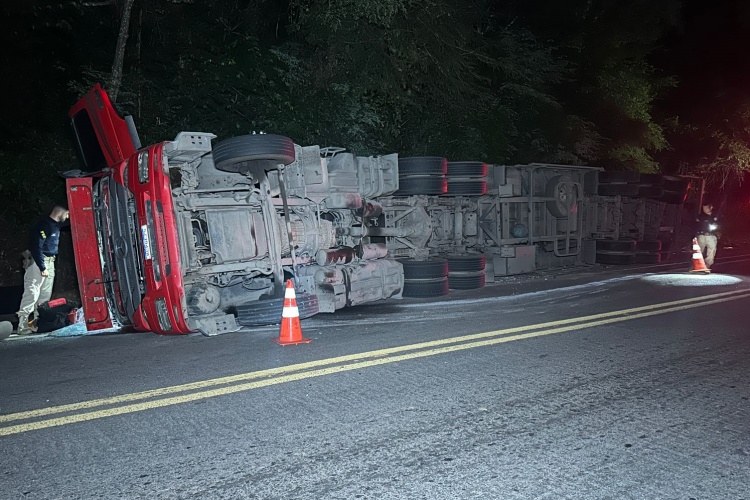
39 276
707 232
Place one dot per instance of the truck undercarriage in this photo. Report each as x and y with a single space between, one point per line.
185 235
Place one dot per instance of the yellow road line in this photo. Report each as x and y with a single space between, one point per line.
645 311
203 384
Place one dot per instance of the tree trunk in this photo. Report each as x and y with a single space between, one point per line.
122 40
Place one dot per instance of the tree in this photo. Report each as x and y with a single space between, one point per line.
718 150
608 94
122 39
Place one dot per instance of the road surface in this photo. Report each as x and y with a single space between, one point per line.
628 384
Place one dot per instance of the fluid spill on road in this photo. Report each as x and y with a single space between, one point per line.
684 279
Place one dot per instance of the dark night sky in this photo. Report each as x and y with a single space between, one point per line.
708 55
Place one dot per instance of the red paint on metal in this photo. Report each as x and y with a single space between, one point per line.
86 250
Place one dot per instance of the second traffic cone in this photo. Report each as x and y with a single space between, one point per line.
290 332
699 265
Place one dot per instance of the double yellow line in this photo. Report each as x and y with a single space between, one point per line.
168 396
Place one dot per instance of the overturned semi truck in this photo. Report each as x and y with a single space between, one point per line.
185 235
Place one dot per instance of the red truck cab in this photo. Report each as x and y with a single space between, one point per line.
123 225
184 236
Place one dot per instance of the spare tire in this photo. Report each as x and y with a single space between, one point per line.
564 196
267 151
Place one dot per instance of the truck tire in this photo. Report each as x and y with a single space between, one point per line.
426 288
466 187
466 263
672 197
268 311
424 269
422 184
648 258
564 194
615 258
422 165
466 281
651 180
268 151
467 169
425 278
648 246
674 183
653 192
619 176
618 189
615 245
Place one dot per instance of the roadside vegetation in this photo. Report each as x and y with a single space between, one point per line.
519 81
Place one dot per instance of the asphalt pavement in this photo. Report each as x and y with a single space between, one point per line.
589 383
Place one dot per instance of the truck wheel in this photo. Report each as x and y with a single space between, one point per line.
649 191
674 183
466 272
615 245
424 269
426 288
202 299
672 197
618 189
648 246
422 184
467 169
651 180
466 263
619 176
425 278
618 259
466 187
422 165
648 258
239 154
564 196
268 311
466 281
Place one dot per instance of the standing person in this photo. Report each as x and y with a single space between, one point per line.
707 232
40 274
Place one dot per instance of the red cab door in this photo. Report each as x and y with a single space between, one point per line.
86 250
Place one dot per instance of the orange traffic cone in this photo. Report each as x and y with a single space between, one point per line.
290 332
699 265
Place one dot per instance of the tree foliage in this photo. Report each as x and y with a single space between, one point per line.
513 81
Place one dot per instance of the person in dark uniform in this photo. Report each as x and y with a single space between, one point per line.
40 272
707 227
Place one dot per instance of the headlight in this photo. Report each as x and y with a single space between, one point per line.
713 227
163 315
143 167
